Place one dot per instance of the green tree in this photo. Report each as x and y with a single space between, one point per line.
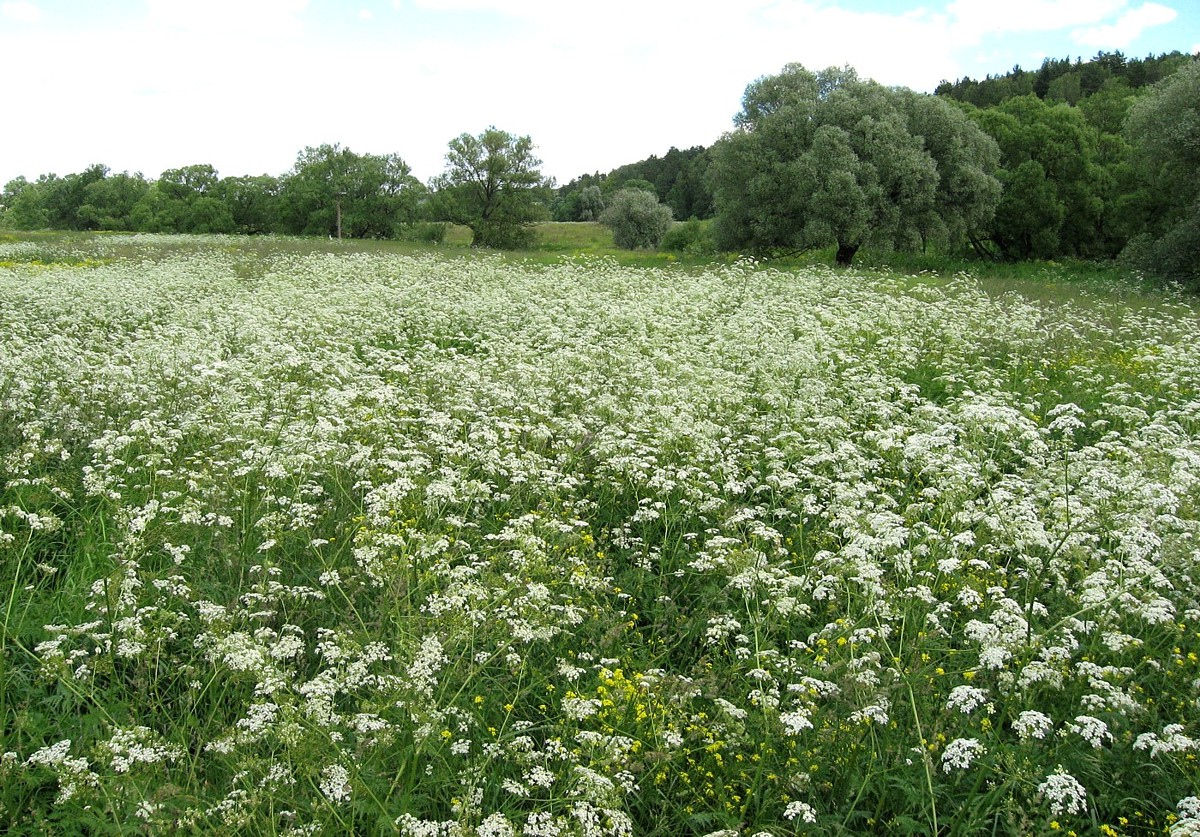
184 200
253 203
591 203
1163 129
689 195
157 212
636 219
1073 188
53 202
333 191
492 185
582 203
25 208
820 159
616 184
108 202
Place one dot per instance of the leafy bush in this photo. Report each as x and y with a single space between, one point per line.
1174 256
426 232
693 237
637 219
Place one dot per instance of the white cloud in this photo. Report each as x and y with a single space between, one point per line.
1127 29
820 36
973 19
365 14
228 18
245 84
22 11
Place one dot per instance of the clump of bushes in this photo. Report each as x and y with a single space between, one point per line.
693 237
426 232
637 219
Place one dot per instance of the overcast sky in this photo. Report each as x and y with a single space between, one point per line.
146 85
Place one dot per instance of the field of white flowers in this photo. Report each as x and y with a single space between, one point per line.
296 542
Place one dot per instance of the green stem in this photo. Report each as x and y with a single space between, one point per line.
912 698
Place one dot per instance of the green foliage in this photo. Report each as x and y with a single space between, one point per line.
678 178
1055 188
333 191
637 219
492 185
591 204
693 237
24 206
427 232
53 202
582 203
830 159
633 183
108 203
1030 214
185 200
1163 129
1063 80
253 203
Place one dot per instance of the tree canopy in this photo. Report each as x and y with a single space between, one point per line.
1077 159
492 184
1164 130
827 158
1054 185
369 195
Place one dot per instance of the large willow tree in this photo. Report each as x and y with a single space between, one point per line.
1164 130
820 159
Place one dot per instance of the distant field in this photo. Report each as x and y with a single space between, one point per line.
305 537
576 235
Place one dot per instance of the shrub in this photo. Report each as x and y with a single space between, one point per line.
426 232
1175 256
637 219
694 237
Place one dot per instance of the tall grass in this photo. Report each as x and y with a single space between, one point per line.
304 538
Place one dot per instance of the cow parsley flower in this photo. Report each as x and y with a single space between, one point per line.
800 810
966 699
961 753
335 783
796 721
1032 724
1092 730
1172 740
1063 792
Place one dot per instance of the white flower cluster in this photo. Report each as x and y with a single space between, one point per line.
961 753
370 510
1063 793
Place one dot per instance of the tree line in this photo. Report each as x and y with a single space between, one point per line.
1092 160
330 189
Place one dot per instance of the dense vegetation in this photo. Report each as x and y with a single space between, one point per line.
299 537
822 159
1082 167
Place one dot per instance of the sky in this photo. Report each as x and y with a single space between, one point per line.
245 85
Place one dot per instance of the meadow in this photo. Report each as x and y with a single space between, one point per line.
305 541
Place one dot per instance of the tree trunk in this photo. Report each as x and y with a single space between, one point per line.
845 254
